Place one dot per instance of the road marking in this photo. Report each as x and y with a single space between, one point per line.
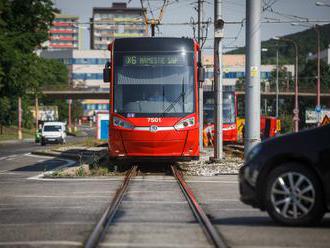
42 243
222 200
47 223
153 179
111 244
40 176
155 202
240 210
212 181
10 157
70 179
57 196
38 207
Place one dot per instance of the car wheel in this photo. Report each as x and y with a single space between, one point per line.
294 196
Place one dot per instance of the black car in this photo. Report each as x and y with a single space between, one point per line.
289 177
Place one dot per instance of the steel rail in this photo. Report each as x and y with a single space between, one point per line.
199 213
101 227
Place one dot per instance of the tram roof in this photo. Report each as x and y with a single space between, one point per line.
153 44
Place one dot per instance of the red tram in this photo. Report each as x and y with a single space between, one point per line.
154 98
229 115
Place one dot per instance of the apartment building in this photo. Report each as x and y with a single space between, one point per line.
118 21
64 33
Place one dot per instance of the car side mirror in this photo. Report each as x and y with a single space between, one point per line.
107 73
201 74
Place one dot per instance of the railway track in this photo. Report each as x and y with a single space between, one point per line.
235 149
209 230
103 224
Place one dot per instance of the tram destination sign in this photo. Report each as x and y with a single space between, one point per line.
150 60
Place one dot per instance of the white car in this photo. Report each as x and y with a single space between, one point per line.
53 132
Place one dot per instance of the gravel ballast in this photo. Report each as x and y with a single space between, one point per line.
204 167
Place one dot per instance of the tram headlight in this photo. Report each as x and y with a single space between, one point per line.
117 122
185 123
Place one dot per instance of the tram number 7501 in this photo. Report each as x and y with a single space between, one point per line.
154 120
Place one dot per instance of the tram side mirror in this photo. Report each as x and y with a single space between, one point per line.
201 74
107 72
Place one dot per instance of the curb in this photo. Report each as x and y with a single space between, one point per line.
24 141
64 155
55 154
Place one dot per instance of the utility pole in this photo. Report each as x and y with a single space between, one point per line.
218 35
277 81
69 115
201 112
296 90
252 72
37 113
20 136
318 93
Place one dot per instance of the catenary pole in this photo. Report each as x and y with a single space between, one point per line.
277 91
69 114
218 35
20 136
318 91
37 113
200 103
252 72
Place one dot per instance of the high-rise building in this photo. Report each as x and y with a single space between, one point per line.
85 67
234 69
116 22
64 32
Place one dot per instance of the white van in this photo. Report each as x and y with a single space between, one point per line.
53 132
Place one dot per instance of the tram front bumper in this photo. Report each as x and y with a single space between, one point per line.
161 144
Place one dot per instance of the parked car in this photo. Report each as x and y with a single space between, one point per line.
53 132
289 177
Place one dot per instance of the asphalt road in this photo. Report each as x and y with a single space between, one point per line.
17 148
48 213
62 212
244 226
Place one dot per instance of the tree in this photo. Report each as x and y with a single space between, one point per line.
4 113
308 76
24 26
285 79
27 22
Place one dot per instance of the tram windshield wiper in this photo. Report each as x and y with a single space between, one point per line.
182 95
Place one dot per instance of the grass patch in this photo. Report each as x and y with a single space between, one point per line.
96 167
84 170
11 133
88 142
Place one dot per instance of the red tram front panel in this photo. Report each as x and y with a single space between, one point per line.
154 112
158 140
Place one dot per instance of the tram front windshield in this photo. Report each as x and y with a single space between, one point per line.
228 111
154 84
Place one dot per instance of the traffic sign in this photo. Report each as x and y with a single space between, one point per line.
318 108
325 121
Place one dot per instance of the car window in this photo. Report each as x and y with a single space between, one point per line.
54 128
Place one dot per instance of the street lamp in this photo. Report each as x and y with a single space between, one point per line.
322 4
296 104
277 90
318 86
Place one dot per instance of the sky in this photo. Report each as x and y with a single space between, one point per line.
183 11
